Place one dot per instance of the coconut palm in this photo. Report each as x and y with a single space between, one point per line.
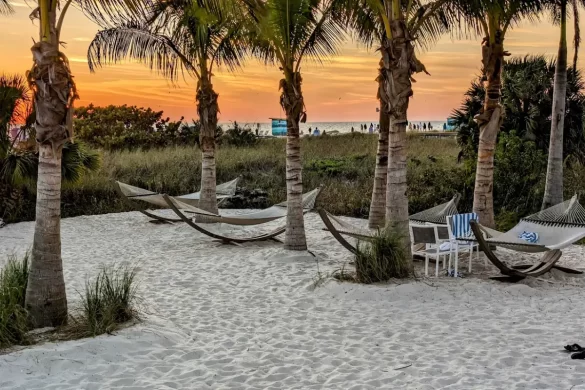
289 33
553 192
418 23
182 36
397 26
494 18
54 93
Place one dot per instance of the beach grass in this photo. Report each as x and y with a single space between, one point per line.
13 316
108 301
344 164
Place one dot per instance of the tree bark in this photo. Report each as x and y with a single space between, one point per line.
400 64
46 300
553 191
54 93
378 205
489 121
207 108
292 101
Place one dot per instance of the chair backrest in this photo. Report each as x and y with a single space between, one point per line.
423 234
458 225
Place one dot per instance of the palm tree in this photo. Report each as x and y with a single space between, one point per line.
553 192
54 92
182 36
289 31
397 26
494 18
417 23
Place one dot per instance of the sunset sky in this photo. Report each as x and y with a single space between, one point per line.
342 89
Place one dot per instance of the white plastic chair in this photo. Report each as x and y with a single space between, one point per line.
432 236
459 227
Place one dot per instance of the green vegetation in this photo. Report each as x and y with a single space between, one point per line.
382 258
527 96
107 302
13 317
344 164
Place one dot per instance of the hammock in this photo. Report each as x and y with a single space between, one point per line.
131 193
255 218
339 228
556 228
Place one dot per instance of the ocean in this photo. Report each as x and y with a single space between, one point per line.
342 127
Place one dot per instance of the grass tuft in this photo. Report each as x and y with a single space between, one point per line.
107 302
13 316
382 258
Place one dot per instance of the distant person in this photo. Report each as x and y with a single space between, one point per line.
371 128
424 127
324 133
352 129
444 127
316 133
310 131
378 128
430 126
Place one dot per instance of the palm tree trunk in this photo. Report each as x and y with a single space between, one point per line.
46 300
400 63
489 121
207 109
293 104
553 191
378 205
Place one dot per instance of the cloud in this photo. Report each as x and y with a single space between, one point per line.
82 39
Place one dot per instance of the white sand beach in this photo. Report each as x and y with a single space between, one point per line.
228 317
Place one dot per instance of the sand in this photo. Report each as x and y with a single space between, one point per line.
250 317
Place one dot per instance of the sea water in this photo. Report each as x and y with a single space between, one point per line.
329 127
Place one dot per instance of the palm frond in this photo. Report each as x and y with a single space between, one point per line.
78 159
5 7
138 42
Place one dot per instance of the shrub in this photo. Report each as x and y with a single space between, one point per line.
108 301
382 258
13 316
240 136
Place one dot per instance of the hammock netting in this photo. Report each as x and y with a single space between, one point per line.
568 213
437 214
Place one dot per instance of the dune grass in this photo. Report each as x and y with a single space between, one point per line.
13 316
344 164
107 302
382 258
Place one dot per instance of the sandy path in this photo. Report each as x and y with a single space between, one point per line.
225 317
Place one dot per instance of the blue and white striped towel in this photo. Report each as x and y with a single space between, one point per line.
531 237
461 227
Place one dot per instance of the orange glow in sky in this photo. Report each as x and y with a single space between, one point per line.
342 89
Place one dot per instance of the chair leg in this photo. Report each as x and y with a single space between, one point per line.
470 257
437 266
456 258
426 265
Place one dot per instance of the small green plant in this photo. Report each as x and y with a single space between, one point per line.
382 258
108 301
13 316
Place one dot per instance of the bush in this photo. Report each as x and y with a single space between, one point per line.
108 301
239 136
13 316
382 258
